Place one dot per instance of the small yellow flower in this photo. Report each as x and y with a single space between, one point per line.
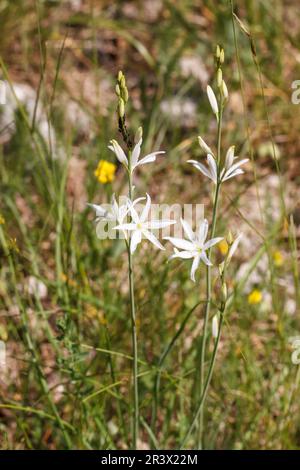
223 247
105 172
278 258
13 245
2 220
255 297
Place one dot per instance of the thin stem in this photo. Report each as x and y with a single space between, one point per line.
207 383
135 433
208 283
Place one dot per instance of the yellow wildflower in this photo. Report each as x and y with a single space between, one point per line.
13 245
2 220
255 297
278 258
105 172
223 247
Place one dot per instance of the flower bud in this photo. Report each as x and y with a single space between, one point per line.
224 292
118 91
213 100
224 90
204 145
125 94
219 77
120 75
138 135
215 326
222 56
121 108
218 51
229 238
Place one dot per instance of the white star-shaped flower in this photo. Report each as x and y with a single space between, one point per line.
141 227
232 169
134 159
112 212
195 247
211 170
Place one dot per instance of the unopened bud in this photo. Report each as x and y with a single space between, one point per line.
138 135
125 94
215 326
218 50
120 75
123 81
224 292
229 238
121 108
222 56
219 78
118 91
224 90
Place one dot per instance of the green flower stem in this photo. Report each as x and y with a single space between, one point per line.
135 433
208 284
207 382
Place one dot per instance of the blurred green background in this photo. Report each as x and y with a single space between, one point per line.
64 313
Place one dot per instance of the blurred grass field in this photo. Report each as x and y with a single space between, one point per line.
64 309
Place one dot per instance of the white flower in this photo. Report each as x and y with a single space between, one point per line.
232 169
140 226
211 171
113 212
229 171
134 160
195 247
212 99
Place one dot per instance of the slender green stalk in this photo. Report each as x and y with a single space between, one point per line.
207 383
208 284
135 433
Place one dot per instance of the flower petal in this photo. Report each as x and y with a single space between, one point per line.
202 232
135 239
188 230
119 152
157 224
229 157
153 239
213 167
100 212
181 243
230 174
205 259
182 255
151 157
146 209
136 153
195 266
212 242
199 166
